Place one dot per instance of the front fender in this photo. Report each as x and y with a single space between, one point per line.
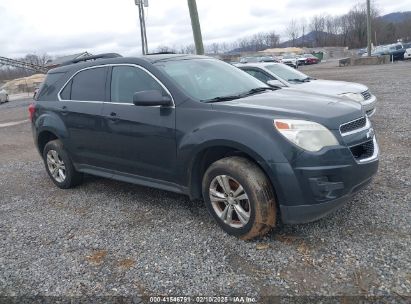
256 141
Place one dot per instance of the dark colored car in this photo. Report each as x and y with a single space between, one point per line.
395 51
201 127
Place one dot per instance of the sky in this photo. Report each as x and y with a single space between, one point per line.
58 27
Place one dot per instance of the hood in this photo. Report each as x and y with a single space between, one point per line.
331 87
296 104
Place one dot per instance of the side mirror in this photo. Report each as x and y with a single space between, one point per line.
275 83
151 98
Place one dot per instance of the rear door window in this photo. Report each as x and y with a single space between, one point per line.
88 85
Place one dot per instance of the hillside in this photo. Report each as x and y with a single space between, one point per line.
396 17
25 84
312 37
307 39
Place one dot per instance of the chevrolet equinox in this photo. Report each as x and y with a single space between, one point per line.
201 127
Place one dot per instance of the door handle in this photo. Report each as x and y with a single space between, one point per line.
113 117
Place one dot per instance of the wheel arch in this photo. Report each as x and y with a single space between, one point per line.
214 151
44 137
49 126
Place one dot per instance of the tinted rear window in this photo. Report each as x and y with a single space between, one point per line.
89 85
48 85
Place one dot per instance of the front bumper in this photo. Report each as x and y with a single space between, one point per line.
317 184
309 213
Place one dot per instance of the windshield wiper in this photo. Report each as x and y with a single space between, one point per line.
300 80
221 98
232 97
258 90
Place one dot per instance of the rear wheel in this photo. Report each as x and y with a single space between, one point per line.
239 197
59 166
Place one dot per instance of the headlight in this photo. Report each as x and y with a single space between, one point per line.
308 135
353 96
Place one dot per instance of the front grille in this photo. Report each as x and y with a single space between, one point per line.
363 151
366 95
353 125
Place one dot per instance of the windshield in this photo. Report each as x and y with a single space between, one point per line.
206 79
287 73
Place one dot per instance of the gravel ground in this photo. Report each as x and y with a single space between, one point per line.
107 238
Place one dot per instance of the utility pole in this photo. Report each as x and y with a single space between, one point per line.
141 4
195 24
368 28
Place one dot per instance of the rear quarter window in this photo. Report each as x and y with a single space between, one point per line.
48 86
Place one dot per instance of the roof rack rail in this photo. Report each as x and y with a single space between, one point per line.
94 57
161 53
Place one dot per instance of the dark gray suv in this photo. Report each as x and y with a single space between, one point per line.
198 126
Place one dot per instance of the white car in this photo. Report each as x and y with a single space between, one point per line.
4 96
407 47
290 60
280 75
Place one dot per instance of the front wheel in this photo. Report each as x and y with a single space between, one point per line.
240 197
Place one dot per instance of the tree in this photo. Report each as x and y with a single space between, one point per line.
292 30
165 49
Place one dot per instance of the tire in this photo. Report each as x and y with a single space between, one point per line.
257 215
59 166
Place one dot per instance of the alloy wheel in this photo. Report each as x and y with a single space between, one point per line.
56 166
230 201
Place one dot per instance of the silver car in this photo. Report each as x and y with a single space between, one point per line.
4 96
281 75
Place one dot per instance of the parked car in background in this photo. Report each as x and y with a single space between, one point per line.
290 59
249 59
199 126
258 59
4 96
268 59
395 51
306 59
300 59
407 53
280 75
310 59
